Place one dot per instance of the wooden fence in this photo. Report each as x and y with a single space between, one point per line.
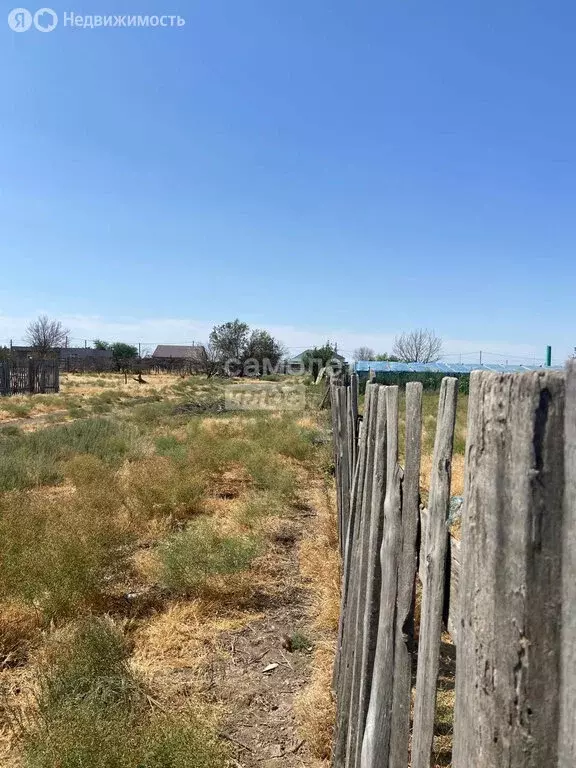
20 377
507 591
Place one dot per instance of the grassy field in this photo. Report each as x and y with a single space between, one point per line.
147 542
87 394
157 555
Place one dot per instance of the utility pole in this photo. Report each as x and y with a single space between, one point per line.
480 357
139 350
548 356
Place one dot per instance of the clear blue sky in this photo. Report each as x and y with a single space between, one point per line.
318 166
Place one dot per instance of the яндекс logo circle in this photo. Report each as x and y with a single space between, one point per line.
19 19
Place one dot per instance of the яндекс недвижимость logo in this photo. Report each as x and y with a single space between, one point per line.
46 19
21 20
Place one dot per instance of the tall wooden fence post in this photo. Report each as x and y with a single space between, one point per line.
344 464
376 741
404 640
368 626
567 743
364 575
434 581
352 584
508 652
353 422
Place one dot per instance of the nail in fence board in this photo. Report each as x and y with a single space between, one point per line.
434 577
508 666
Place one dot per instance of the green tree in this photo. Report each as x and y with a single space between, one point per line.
99 344
228 341
320 357
123 354
385 357
262 353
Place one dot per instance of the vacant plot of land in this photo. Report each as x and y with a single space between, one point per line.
85 394
168 581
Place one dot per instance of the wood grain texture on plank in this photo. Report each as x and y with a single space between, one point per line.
508 651
434 566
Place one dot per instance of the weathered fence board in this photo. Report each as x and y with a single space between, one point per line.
404 640
363 574
511 603
454 566
343 423
567 741
376 743
352 588
434 577
507 703
353 421
368 628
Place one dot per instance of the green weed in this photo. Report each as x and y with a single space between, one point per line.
93 712
189 558
28 460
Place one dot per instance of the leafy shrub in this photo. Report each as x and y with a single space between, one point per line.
189 558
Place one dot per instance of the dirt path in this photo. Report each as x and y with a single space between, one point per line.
261 674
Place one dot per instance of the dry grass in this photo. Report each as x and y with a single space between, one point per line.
90 384
445 697
315 707
20 627
84 394
129 489
320 566
176 650
457 487
320 560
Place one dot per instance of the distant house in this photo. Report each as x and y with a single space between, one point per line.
179 356
296 364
